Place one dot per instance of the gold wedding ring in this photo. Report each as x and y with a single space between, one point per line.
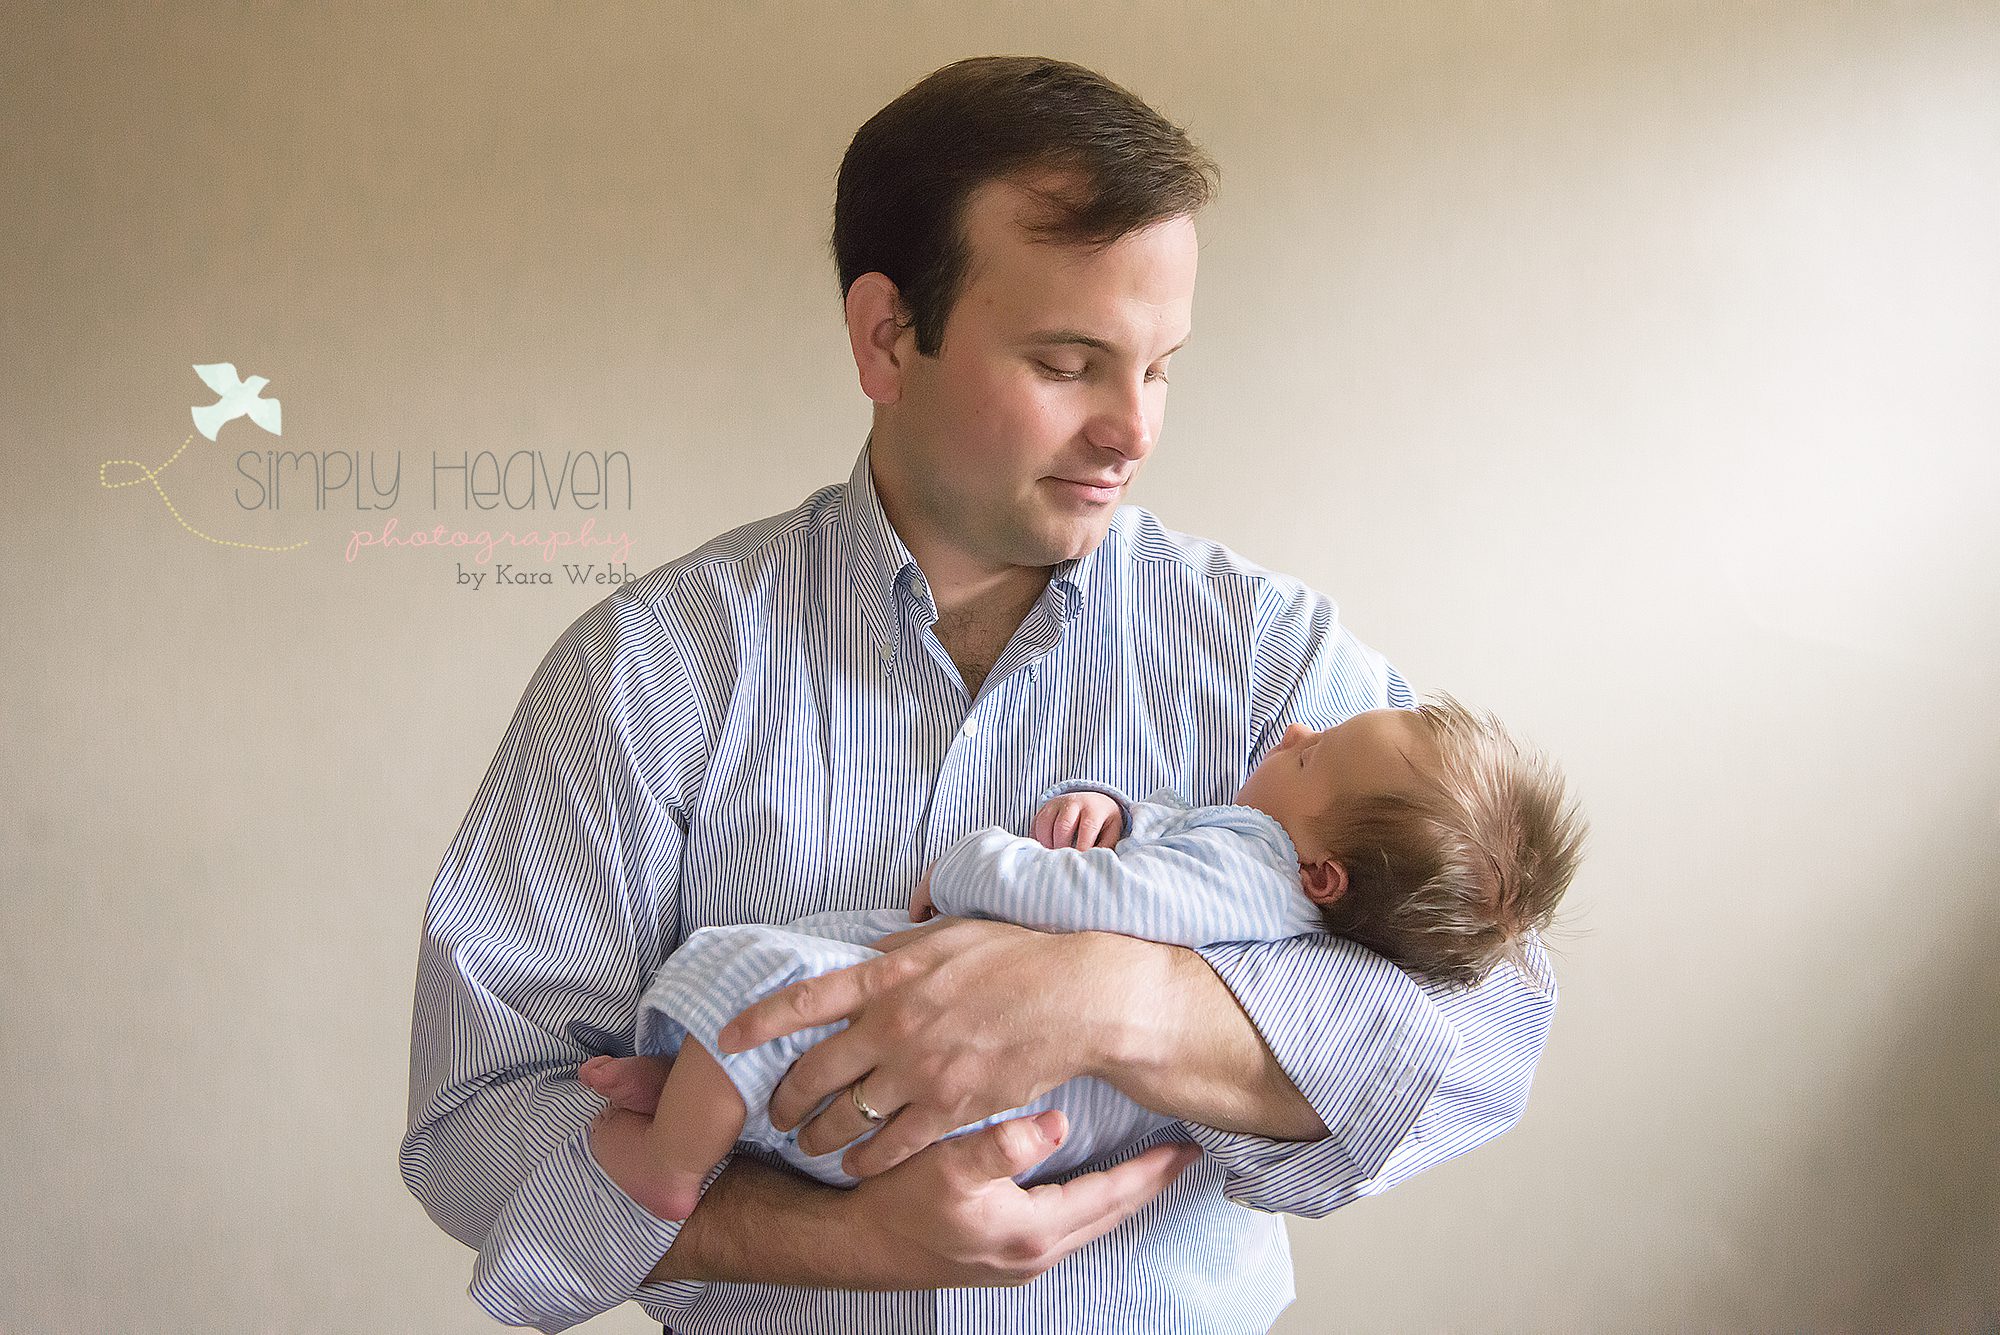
854 1092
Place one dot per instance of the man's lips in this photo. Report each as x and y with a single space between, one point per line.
1095 489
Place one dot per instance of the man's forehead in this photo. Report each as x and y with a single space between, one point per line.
1004 256
1036 293
1010 206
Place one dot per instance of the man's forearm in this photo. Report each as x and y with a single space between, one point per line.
1183 1046
758 1224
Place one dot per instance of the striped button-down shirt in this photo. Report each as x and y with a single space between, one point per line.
768 727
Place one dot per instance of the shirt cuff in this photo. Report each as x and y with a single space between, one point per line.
1360 1040
572 1245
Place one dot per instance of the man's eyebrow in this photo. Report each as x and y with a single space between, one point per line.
1044 337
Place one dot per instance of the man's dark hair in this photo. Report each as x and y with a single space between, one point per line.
899 204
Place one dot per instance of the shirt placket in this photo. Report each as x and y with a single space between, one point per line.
964 733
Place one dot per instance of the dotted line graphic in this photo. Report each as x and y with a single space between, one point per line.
152 475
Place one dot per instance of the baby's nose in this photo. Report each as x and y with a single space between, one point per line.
1298 732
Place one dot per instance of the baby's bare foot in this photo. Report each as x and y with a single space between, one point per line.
618 1143
631 1083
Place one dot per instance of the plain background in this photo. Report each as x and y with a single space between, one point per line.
1628 368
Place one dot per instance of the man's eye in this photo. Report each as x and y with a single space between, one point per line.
1160 376
1058 373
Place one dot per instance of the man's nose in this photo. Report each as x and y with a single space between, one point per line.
1125 424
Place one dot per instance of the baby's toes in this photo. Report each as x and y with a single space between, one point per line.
600 1074
631 1083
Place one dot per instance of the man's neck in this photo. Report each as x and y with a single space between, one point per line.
980 605
979 610
983 594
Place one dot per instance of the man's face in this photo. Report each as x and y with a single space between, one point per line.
1015 444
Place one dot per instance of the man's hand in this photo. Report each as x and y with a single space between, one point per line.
954 1211
960 1020
1079 820
949 1217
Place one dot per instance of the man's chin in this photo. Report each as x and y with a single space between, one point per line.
1075 544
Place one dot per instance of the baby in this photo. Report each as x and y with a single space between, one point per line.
1426 835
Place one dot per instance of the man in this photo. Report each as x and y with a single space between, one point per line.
799 715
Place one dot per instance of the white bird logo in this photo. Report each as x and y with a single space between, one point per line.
239 398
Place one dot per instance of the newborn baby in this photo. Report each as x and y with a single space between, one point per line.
1427 835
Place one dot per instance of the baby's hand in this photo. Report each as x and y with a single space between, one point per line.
1079 820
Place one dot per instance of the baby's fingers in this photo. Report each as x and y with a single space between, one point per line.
1114 825
1087 829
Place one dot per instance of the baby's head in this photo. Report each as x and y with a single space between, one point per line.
1428 835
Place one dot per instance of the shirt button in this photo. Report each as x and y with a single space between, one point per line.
971 727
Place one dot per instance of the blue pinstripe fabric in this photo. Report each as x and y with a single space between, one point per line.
1186 876
723 969
768 728
1190 876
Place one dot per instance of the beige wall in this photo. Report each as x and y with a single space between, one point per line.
1626 367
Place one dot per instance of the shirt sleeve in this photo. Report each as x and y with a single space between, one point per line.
1403 1074
554 903
1190 886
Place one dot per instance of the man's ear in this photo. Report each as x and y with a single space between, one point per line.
876 322
1325 880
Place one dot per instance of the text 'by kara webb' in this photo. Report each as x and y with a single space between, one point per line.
373 479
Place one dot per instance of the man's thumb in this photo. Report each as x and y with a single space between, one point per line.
1012 1147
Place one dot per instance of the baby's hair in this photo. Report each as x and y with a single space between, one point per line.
1453 876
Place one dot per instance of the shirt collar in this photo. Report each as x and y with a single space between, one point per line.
878 555
1071 580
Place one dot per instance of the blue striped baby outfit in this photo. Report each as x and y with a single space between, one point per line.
1192 876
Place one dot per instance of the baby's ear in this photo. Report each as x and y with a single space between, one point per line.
1325 880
